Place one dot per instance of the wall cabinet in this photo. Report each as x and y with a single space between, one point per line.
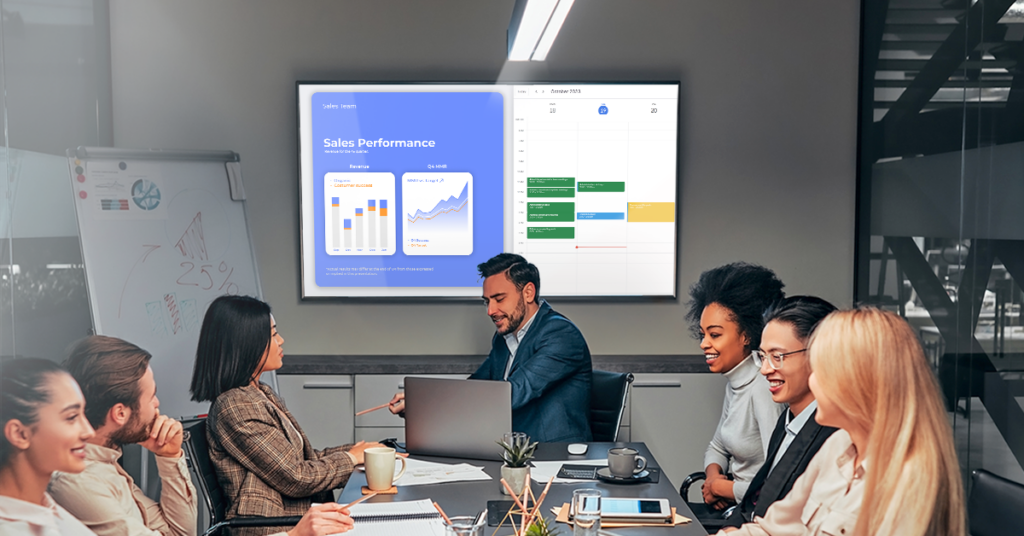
323 405
674 414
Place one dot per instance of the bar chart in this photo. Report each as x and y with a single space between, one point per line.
438 217
356 219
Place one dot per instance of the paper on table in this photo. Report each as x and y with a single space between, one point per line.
542 471
419 472
407 518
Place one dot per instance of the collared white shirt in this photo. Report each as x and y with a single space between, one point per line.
512 341
49 519
793 427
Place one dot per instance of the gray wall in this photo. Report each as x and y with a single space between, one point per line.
767 145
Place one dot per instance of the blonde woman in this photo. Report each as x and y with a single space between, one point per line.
892 467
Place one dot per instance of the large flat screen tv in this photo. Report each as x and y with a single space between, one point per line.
405 188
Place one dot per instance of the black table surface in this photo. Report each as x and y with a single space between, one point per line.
468 498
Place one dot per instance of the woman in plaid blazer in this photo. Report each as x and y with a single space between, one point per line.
264 461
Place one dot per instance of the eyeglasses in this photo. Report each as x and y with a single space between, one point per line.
774 360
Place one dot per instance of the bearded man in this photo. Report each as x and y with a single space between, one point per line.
539 351
121 404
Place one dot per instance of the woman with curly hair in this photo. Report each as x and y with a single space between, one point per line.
726 314
892 466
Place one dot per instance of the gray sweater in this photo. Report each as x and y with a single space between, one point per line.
748 419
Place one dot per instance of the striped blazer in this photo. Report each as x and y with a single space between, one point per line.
264 461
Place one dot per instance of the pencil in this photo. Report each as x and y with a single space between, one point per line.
540 500
514 496
443 516
359 500
365 411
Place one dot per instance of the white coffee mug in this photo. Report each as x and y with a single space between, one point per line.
380 468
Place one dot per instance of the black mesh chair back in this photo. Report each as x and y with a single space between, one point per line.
197 451
607 401
995 504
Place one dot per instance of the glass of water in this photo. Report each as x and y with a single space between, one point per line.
465 526
587 509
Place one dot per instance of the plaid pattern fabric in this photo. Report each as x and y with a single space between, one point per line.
265 466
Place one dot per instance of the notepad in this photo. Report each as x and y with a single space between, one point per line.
406 518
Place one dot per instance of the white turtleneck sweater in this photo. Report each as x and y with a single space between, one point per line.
748 419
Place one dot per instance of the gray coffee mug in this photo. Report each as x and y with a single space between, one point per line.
622 462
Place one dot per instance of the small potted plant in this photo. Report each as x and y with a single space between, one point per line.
542 527
516 451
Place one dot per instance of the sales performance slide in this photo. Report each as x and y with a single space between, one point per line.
405 188
410 190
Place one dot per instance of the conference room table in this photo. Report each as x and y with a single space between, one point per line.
469 498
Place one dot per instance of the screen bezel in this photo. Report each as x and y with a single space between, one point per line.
422 296
664 511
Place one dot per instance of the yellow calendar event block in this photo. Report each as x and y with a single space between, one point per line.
652 212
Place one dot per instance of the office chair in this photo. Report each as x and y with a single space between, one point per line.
995 504
198 457
608 392
711 520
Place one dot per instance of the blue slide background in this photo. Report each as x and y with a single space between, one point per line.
468 129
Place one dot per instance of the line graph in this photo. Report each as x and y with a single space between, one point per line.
438 217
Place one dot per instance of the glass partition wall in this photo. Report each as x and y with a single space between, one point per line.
55 76
941 204
56 94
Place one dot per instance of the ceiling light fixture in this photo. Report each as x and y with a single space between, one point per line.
534 27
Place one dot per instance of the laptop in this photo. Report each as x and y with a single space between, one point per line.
456 418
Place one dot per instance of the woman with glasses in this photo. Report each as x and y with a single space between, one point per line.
726 311
892 467
797 437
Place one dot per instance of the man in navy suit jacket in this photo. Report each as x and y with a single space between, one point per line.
536 349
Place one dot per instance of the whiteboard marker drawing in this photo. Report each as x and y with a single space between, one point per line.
151 249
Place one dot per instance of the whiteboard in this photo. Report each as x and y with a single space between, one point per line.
163 234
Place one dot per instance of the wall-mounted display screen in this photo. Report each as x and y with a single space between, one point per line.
405 188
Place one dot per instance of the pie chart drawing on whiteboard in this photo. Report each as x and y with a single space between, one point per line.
145 194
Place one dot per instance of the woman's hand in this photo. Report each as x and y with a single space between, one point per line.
357 450
711 473
717 489
722 490
323 519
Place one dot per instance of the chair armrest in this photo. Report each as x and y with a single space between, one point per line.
684 490
280 521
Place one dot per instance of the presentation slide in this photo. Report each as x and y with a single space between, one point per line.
405 188
400 171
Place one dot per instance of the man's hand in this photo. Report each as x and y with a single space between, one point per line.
164 438
323 519
397 404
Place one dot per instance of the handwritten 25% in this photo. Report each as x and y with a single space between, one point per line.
204 279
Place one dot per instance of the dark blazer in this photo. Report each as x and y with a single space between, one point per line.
550 377
264 461
770 485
